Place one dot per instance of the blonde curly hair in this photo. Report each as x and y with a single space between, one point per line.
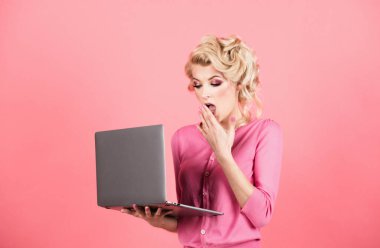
238 64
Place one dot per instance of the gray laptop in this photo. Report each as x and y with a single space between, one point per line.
130 169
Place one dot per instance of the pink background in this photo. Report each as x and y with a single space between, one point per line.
70 68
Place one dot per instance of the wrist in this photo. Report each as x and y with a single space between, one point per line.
225 158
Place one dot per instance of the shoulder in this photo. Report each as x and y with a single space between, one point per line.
271 124
185 131
271 128
264 124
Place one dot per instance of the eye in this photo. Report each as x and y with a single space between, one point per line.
216 83
197 85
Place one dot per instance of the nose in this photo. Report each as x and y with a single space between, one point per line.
206 92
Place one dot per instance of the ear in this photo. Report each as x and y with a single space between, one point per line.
239 86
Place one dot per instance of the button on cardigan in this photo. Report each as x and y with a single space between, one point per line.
200 182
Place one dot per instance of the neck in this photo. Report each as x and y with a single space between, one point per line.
239 119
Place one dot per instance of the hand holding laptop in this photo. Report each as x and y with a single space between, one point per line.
157 219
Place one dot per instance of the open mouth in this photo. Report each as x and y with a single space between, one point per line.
211 107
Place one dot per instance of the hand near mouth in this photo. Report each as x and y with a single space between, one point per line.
220 139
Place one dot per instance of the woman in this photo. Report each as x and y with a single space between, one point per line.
230 161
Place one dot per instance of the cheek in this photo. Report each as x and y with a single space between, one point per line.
226 96
223 92
198 96
225 101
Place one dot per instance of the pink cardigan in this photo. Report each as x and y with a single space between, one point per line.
200 181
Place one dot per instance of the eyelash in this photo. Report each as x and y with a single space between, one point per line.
215 85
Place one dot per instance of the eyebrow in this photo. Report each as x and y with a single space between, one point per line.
209 78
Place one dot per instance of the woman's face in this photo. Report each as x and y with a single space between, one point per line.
211 87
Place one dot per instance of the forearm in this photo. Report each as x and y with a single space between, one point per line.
240 185
169 224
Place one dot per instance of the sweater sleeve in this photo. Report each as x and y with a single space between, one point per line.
266 174
176 162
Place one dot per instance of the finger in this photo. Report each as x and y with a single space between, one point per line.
138 211
158 213
203 133
210 117
147 212
214 122
125 210
205 113
130 212
204 124
167 213
135 214
201 130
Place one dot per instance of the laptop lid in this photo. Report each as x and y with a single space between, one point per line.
130 166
